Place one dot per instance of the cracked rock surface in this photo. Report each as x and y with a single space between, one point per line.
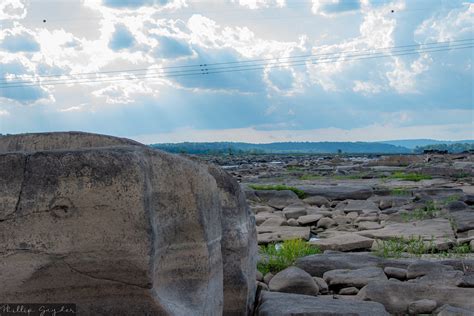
120 229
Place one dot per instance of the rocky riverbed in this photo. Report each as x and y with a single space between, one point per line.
390 234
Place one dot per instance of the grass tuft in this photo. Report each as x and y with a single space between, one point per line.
429 210
279 187
394 248
277 257
410 176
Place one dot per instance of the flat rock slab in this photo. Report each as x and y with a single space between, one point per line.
282 304
357 278
396 296
359 206
338 192
437 229
344 242
268 234
464 220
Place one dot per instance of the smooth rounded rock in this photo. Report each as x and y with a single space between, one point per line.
293 280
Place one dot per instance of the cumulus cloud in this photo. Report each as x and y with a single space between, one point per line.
15 42
455 24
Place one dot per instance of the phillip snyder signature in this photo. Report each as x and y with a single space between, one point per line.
37 309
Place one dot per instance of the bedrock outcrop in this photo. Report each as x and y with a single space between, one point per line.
121 229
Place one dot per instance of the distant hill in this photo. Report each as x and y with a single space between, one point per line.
283 147
413 143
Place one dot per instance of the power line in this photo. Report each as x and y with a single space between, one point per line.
248 68
240 63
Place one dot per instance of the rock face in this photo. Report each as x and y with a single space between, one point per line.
120 229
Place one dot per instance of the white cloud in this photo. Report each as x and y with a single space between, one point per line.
4 113
12 9
366 87
258 4
403 78
456 24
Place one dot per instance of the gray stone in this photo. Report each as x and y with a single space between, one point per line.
259 276
120 229
356 278
359 206
349 291
262 209
436 230
293 222
448 310
396 296
317 265
294 211
338 192
463 220
322 285
293 280
317 201
368 225
422 307
309 219
284 304
455 206
344 242
268 234
421 268
278 199
274 221
268 277
326 222
467 280
397 273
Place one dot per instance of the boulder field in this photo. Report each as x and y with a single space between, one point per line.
120 229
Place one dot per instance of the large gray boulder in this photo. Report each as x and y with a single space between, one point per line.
293 280
120 229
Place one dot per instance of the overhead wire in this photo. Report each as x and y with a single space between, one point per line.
242 63
207 71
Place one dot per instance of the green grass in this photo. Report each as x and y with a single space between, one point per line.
279 187
452 198
410 176
311 177
400 192
429 210
275 259
394 248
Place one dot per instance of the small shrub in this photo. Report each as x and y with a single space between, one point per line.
277 257
279 187
410 176
394 248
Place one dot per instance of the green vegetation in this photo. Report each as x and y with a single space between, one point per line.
429 210
394 248
410 176
452 198
279 187
311 177
451 148
400 191
277 257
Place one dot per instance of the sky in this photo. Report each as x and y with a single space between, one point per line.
92 49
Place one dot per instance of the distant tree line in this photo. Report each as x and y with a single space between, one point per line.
450 148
